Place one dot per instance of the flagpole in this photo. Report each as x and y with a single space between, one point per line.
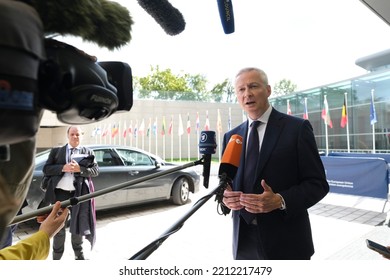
189 150
197 129
188 136
131 133
373 121
179 133
150 135
326 139
326 126
219 129
346 113
171 127
156 134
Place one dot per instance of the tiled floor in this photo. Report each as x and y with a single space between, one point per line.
349 214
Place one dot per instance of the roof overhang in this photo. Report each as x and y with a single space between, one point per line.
380 7
374 61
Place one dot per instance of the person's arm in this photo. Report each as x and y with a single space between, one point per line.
37 246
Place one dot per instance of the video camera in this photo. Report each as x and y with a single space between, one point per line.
39 73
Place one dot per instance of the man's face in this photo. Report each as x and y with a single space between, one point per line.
252 93
74 136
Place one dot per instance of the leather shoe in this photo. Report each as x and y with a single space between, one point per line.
80 257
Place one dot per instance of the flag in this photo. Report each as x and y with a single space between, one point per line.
94 132
207 124
105 131
149 127
344 117
130 130
155 127
124 130
136 129
180 131
197 121
163 126
373 119
219 122
141 128
170 126
305 112
325 113
230 119
114 130
288 108
188 123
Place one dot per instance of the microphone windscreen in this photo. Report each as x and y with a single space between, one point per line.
233 150
231 156
167 16
207 142
225 8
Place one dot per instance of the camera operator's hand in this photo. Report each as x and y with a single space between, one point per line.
52 223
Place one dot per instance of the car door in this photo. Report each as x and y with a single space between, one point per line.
111 173
139 165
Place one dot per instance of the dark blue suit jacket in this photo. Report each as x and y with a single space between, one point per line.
290 164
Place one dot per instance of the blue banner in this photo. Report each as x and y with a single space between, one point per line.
362 176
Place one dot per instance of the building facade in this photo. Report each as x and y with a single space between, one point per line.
367 102
171 128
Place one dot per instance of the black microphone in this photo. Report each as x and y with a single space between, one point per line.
169 18
207 146
228 167
225 8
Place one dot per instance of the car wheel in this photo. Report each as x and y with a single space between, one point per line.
181 191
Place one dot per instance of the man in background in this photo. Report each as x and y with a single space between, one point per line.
70 169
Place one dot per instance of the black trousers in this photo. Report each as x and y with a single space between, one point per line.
249 244
59 238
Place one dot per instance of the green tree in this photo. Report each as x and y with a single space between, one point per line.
284 87
163 84
160 84
223 92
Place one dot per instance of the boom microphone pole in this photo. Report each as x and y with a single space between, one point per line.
227 171
75 200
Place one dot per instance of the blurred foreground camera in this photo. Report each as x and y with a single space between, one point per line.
38 73
80 90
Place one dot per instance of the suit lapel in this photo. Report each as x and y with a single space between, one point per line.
272 132
243 132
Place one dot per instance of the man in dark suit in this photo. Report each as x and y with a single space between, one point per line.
70 169
270 217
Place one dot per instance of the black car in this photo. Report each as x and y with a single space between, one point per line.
119 164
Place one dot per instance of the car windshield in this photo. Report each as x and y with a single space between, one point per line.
134 157
40 159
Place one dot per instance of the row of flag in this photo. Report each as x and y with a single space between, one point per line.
135 129
344 116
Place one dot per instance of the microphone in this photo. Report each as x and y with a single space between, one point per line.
207 146
225 8
228 167
167 16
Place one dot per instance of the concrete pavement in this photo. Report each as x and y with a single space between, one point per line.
340 226
339 232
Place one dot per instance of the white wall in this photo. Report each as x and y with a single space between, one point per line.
53 133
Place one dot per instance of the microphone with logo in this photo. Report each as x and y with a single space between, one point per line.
228 168
207 146
225 8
